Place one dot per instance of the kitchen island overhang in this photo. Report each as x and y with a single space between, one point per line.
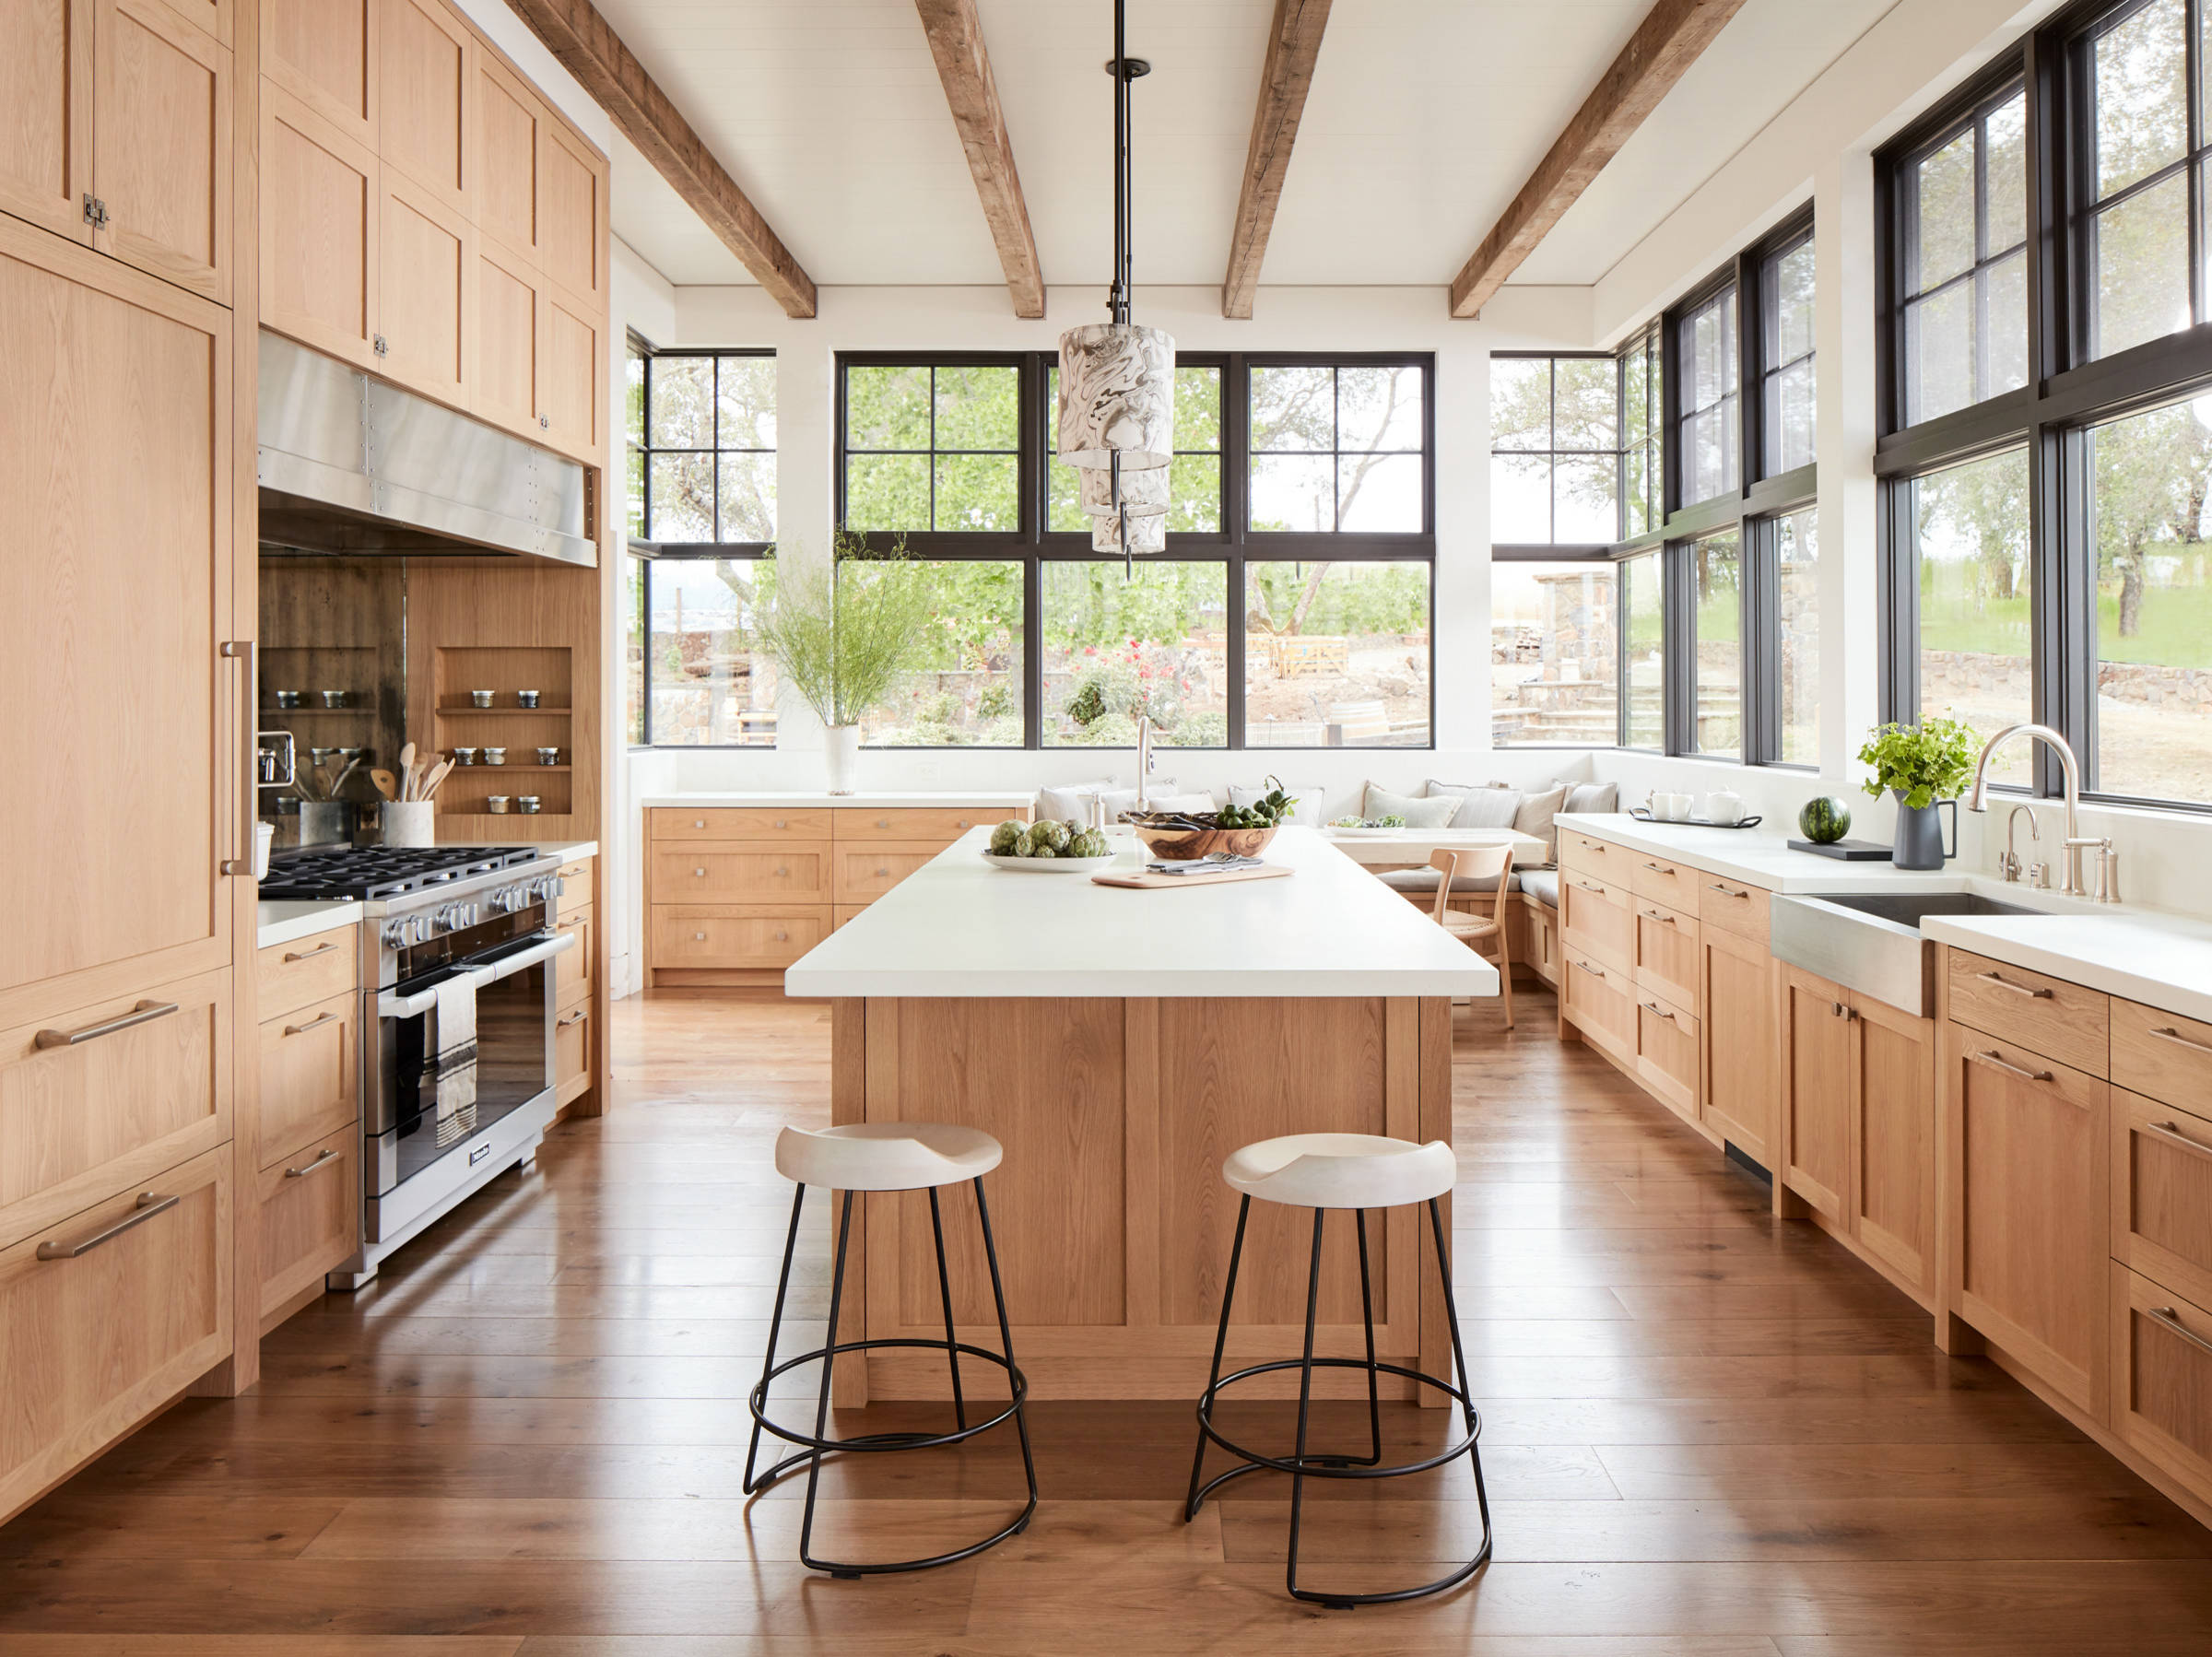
1120 1044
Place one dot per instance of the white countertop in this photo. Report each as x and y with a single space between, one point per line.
1013 799
1414 845
1755 856
287 922
959 927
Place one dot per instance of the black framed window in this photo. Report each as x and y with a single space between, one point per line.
1788 383
1644 650
1710 429
1643 429
2143 151
1794 737
1194 476
934 447
1555 450
703 448
1338 447
1555 653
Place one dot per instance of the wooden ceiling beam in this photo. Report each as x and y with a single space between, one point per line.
1293 47
1671 38
588 47
955 40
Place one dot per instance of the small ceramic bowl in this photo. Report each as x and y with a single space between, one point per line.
525 698
496 805
480 698
288 698
548 755
527 804
464 756
333 699
495 756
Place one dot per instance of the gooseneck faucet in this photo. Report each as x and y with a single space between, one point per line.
1143 762
2070 849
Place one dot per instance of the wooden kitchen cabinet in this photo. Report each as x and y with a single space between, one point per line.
311 1064
1600 1002
426 74
1815 1043
324 54
1666 952
1667 1053
573 1052
572 968
2162 1194
311 1220
1595 919
571 185
572 375
46 87
509 133
774 875
864 873
510 337
1735 1000
426 299
321 215
2161 1382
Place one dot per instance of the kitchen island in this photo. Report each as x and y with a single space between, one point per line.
1120 1044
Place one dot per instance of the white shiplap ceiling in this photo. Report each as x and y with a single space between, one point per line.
1425 117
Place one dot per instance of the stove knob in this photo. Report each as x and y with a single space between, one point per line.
395 934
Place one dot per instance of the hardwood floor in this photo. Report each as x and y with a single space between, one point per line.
1705 1432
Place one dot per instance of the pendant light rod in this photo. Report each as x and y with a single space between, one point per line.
1125 69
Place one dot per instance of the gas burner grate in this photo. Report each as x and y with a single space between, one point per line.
371 873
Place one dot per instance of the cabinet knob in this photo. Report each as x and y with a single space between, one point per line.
699 822
698 938
782 824
783 937
700 874
782 873
883 873
883 822
964 823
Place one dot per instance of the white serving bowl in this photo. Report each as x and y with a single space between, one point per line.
1049 866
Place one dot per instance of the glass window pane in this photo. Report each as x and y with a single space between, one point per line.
707 689
1155 643
2140 263
683 498
1646 651
1940 353
2140 76
981 492
1636 391
2007 130
1717 571
1379 494
683 403
1797 547
1293 409
967 692
1793 306
978 408
887 408
1197 406
887 491
1294 492
1378 408
1641 466
745 403
748 495
633 397
1970 530
1588 402
633 493
1794 395
633 652
1336 655
1194 495
1520 498
1710 453
1520 402
2149 478
1587 510
1554 655
1941 240
2005 324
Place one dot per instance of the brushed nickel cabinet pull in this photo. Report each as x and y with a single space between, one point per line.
319 1020
1590 886
1725 891
2170 1320
148 1205
1664 868
575 1018
249 809
1660 915
1592 971
782 873
2169 1034
1652 1006
2172 1131
1994 1063
322 948
2002 982
323 1158
964 823
698 938
146 1012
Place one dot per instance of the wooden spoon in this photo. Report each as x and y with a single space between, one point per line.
407 773
437 776
386 783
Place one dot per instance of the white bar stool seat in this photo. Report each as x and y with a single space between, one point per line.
885 1155
1342 1170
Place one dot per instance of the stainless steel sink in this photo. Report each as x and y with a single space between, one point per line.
1871 942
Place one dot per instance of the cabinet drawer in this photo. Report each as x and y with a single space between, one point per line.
1667 1051
2162 1379
721 822
573 1051
307 970
769 875
116 1324
79 1120
1731 906
2162 1194
576 886
2162 1056
310 1076
1594 856
1666 953
1595 919
1666 881
709 938
2046 1016
940 825
843 912
310 1216
865 874
572 969
1602 1004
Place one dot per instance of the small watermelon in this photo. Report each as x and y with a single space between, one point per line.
1825 820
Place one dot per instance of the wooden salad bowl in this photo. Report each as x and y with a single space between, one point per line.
1187 845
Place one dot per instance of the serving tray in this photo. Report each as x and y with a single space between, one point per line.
1144 880
1846 850
1643 816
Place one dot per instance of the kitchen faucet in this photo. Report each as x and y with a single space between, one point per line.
1144 761
2008 866
2070 848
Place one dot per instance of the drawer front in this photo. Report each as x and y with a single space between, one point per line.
572 968
1602 1004
310 1216
2162 1378
310 1067
722 822
864 875
1666 953
691 938
1595 919
793 875
307 970
78 1122
843 912
576 889
1731 906
2045 1016
91 1345
2161 1057
939 825
573 1051
2162 1194
1593 856
1666 881
1667 1051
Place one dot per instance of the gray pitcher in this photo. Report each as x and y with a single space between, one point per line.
1920 843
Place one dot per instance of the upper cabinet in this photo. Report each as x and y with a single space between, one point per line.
46 86
321 194
426 77
509 121
323 54
571 215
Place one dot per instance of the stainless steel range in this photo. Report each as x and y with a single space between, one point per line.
457 947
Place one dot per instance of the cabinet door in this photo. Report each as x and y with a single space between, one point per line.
115 463
1893 1141
510 332
2029 1149
311 1070
572 968
572 415
310 1216
2162 1378
571 214
424 305
324 53
161 145
46 88
509 120
1815 1046
2162 1194
1666 952
320 213
1736 995
1595 919
426 77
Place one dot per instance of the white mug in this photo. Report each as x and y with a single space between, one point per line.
1724 808
1670 808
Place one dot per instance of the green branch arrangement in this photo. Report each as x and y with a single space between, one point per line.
1930 761
844 634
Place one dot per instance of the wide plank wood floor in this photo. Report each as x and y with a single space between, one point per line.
1705 1431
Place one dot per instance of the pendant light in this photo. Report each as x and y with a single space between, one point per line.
1117 379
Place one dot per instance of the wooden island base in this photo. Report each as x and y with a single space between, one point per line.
1112 1223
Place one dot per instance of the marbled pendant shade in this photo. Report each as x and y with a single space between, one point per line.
1145 534
1144 494
1117 396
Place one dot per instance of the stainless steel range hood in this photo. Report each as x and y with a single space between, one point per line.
350 465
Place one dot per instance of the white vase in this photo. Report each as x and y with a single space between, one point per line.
845 758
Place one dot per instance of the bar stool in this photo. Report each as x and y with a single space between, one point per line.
1358 1171
885 1156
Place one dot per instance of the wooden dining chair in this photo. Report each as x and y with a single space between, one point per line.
1481 935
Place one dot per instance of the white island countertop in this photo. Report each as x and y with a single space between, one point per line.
868 800
959 927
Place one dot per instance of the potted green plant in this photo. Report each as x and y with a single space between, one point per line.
841 635
1926 766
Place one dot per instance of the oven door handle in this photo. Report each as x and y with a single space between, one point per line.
522 960
390 1003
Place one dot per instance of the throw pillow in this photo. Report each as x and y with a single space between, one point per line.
1592 796
1071 800
1536 814
1418 814
1487 808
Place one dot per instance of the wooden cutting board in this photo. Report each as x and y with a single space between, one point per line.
1144 880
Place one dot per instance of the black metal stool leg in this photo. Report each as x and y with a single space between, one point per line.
1367 1314
822 1408
1466 1390
1212 1379
1006 1341
1305 1398
775 1327
952 1351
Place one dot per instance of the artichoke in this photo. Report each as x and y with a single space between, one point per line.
1023 846
1005 835
1047 836
1091 842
